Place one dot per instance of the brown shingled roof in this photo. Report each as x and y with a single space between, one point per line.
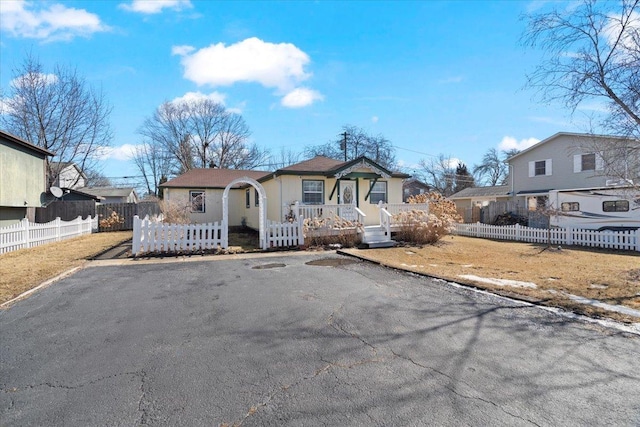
317 164
211 178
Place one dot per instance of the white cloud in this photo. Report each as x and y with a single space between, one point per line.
150 7
280 66
31 78
510 143
35 20
122 152
196 96
182 50
301 97
375 119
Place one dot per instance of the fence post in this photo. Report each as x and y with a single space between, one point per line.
569 240
25 231
301 231
136 235
638 240
517 232
58 226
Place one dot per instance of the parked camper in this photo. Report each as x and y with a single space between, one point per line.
606 208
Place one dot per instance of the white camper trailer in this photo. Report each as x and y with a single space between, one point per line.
605 208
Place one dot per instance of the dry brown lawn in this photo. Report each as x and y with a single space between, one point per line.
26 268
607 276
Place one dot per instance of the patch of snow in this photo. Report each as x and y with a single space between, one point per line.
433 265
594 302
598 286
467 265
499 282
410 266
409 253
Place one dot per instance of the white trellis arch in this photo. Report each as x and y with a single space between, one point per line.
262 218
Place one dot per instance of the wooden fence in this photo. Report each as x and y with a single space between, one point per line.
624 240
126 212
66 210
26 234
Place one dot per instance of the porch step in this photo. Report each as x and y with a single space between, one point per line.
375 237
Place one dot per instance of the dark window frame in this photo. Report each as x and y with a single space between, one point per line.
256 195
247 198
615 206
570 206
588 162
196 203
540 168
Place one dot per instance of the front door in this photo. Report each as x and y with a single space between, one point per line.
348 197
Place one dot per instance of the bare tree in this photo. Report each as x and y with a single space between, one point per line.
439 173
354 142
154 163
592 53
493 170
96 178
285 157
57 111
201 133
463 178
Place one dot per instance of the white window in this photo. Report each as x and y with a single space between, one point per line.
197 201
587 162
540 168
312 192
378 193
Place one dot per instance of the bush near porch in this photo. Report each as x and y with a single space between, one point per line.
419 227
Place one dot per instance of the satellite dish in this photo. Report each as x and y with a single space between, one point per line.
56 191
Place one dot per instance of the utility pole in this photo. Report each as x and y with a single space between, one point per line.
343 144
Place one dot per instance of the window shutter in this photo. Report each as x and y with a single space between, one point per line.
547 167
599 162
577 163
532 169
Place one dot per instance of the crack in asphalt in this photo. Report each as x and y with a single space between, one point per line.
456 392
64 386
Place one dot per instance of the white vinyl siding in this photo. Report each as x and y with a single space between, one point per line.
533 165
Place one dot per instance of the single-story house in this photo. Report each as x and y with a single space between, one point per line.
318 181
66 175
112 194
471 197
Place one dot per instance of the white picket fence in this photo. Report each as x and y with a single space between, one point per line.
27 234
285 234
624 240
155 237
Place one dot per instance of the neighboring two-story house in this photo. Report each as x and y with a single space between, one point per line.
568 161
66 175
22 178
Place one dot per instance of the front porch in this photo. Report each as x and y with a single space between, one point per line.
372 231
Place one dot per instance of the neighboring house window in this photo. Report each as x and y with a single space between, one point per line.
615 206
378 193
197 201
540 168
257 196
247 197
537 202
570 206
312 192
587 162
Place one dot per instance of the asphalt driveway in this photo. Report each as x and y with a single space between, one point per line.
276 341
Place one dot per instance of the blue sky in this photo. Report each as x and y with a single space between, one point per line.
432 77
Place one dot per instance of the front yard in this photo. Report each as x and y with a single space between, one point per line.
551 276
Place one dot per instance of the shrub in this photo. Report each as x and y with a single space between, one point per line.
113 221
175 211
420 227
327 231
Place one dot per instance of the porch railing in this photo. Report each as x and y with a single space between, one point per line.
345 211
388 210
